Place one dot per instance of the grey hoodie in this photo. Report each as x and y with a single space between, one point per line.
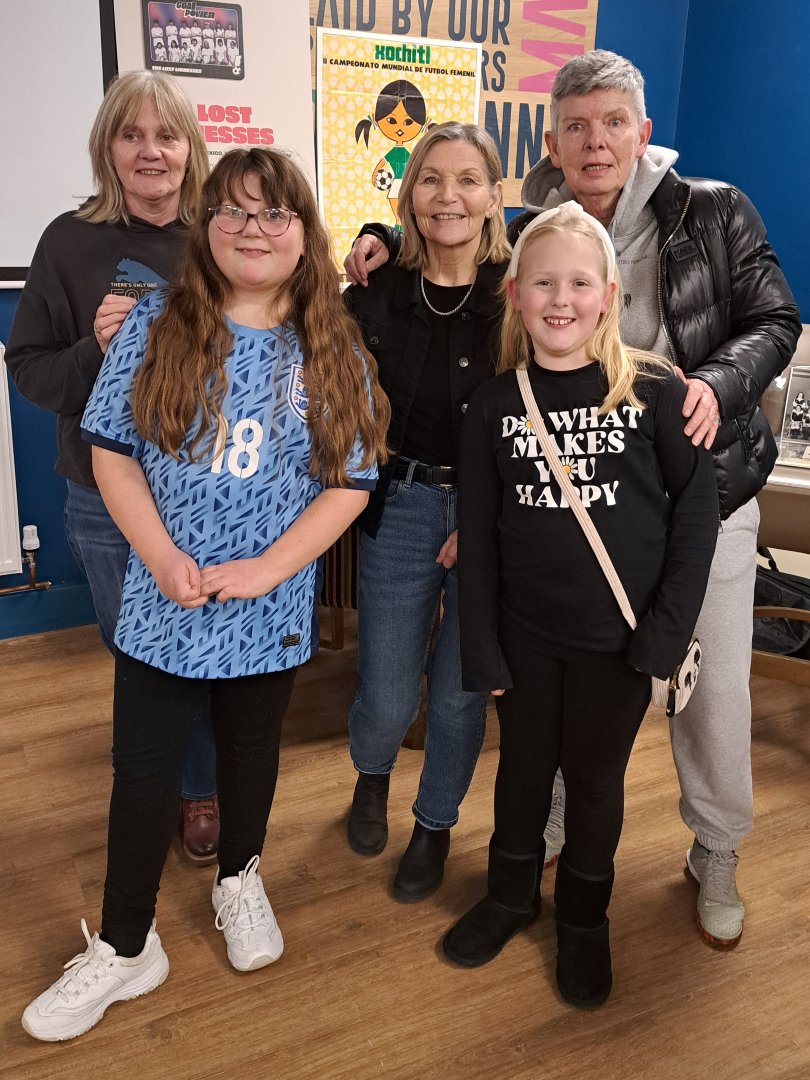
635 236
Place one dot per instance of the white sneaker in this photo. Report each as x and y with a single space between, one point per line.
245 917
720 912
93 980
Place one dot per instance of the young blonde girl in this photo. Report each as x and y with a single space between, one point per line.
540 626
236 425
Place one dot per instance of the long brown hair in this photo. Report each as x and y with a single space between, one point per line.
621 365
183 379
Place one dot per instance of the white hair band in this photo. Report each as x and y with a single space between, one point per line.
599 231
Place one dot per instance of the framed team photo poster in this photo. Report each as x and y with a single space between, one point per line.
194 39
794 444
245 67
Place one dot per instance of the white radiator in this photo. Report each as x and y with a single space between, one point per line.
10 557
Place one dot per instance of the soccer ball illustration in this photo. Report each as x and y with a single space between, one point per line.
383 179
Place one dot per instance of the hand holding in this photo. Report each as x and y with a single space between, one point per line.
448 553
110 314
701 409
178 578
240 579
368 254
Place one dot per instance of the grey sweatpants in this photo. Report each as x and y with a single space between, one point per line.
711 737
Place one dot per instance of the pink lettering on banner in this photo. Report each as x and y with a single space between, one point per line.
533 11
551 52
554 53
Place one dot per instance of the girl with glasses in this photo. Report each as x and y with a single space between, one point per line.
235 427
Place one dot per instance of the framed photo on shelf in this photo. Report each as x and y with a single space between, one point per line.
794 442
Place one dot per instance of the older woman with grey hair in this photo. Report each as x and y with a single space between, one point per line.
427 318
90 267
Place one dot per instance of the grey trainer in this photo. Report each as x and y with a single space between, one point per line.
554 832
720 912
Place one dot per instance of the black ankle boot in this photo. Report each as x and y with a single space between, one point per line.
584 975
511 904
421 868
367 827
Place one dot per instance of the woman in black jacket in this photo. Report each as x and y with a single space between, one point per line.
427 318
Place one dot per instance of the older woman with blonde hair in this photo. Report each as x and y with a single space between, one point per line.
427 317
90 267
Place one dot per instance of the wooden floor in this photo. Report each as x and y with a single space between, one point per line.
361 991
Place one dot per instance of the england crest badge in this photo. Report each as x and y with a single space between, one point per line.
297 394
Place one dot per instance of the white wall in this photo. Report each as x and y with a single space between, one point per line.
50 88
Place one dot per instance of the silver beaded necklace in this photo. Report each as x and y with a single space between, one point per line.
458 307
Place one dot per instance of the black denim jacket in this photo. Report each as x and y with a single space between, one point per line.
396 331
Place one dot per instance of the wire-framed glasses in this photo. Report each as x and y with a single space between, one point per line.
273 220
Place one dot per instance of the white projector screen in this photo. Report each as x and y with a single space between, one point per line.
51 86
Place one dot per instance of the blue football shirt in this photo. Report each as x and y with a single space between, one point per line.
232 505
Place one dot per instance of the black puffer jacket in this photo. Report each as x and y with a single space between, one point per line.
728 313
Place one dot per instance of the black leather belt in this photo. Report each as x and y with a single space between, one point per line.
444 475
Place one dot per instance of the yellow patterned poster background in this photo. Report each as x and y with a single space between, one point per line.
523 43
359 182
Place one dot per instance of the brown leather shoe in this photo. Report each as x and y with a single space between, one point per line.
199 828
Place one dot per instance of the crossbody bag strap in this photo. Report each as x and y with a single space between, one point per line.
572 495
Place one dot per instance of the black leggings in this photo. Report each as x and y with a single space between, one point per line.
154 716
582 715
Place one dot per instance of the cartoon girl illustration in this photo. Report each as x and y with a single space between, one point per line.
400 114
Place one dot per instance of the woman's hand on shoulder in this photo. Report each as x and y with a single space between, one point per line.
497 693
368 253
240 579
110 315
178 578
448 553
701 409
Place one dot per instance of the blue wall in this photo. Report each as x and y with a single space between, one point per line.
40 499
725 87
744 115
651 33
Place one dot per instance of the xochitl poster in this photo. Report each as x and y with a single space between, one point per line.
377 95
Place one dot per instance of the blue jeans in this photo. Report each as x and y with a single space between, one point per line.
400 587
102 553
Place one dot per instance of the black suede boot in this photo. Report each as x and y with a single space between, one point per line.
421 867
584 975
367 827
511 904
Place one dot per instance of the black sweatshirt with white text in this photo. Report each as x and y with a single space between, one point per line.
525 565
